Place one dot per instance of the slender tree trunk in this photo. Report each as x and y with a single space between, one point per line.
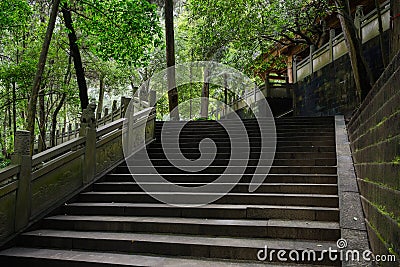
101 97
226 89
54 120
39 72
14 100
381 41
3 140
67 79
42 123
80 72
362 74
173 98
14 108
205 94
395 14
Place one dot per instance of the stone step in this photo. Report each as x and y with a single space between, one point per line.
325 119
171 245
240 143
278 149
212 130
240 131
278 155
253 138
251 162
205 178
283 229
311 200
288 120
220 170
286 188
41 257
210 211
247 125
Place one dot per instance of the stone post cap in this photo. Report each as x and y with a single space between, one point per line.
88 116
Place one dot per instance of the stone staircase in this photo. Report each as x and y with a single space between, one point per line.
115 223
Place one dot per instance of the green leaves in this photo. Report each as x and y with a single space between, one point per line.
14 14
121 30
235 31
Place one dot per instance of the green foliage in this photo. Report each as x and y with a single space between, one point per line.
396 160
14 14
123 30
237 32
4 163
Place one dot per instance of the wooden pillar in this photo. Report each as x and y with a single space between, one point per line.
332 35
294 69
312 50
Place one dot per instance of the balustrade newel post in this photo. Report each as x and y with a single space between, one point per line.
22 156
88 129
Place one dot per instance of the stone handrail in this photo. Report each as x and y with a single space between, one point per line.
336 47
34 185
71 130
251 97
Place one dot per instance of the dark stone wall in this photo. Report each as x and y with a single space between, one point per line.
331 90
278 107
374 133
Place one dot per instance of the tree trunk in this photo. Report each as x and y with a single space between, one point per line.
39 72
205 94
3 135
361 72
42 123
101 97
80 72
54 120
395 14
67 79
381 41
226 89
173 98
14 107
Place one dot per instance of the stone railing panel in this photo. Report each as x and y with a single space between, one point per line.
33 186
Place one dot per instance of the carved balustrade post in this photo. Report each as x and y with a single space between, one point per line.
88 129
22 156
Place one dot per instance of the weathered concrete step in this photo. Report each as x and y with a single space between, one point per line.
312 200
41 257
205 178
170 245
232 170
278 155
278 149
211 211
252 162
286 188
241 143
284 229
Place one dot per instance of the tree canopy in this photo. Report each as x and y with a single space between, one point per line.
121 43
